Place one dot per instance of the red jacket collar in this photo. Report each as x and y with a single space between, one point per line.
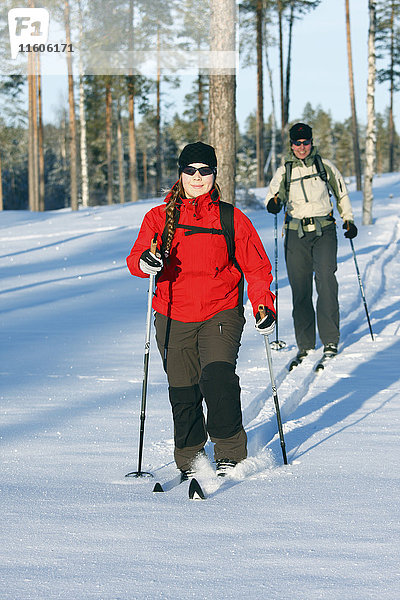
210 197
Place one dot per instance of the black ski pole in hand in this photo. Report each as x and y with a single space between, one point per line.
261 310
139 472
277 344
361 288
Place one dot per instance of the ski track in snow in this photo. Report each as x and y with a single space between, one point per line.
324 527
297 385
294 387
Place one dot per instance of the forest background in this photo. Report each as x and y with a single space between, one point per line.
115 135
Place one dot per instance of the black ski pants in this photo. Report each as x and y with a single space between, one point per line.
200 361
305 256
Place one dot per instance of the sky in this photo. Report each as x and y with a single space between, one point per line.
72 329
319 72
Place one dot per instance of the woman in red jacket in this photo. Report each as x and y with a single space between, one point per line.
198 313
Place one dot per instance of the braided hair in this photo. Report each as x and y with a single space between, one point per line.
177 192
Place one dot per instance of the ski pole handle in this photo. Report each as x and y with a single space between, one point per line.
261 310
153 245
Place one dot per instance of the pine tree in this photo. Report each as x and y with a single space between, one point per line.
370 144
11 90
222 118
356 146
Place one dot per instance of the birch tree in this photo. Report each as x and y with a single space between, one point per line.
72 119
82 116
370 142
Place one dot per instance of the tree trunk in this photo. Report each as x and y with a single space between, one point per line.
82 119
273 118
288 62
260 96
222 115
109 141
356 146
1 186
158 120
41 187
120 144
31 137
133 181
370 142
283 119
32 143
72 121
200 100
392 86
35 133
145 176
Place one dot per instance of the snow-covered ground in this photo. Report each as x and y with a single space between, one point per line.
72 336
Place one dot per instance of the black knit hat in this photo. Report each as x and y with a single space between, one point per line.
197 153
300 131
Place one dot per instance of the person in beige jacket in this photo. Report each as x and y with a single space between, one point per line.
304 185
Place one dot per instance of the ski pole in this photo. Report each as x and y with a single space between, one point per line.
261 310
277 344
139 472
361 288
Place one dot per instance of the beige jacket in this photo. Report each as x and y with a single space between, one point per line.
308 196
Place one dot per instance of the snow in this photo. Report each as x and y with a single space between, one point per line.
326 526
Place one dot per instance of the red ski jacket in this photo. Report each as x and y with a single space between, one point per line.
198 280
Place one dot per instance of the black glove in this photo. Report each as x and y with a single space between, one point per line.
265 325
150 263
274 205
351 230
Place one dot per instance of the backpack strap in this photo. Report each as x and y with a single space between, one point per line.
323 174
226 215
321 168
288 176
226 212
192 229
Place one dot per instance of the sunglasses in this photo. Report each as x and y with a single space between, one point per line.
202 170
301 143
